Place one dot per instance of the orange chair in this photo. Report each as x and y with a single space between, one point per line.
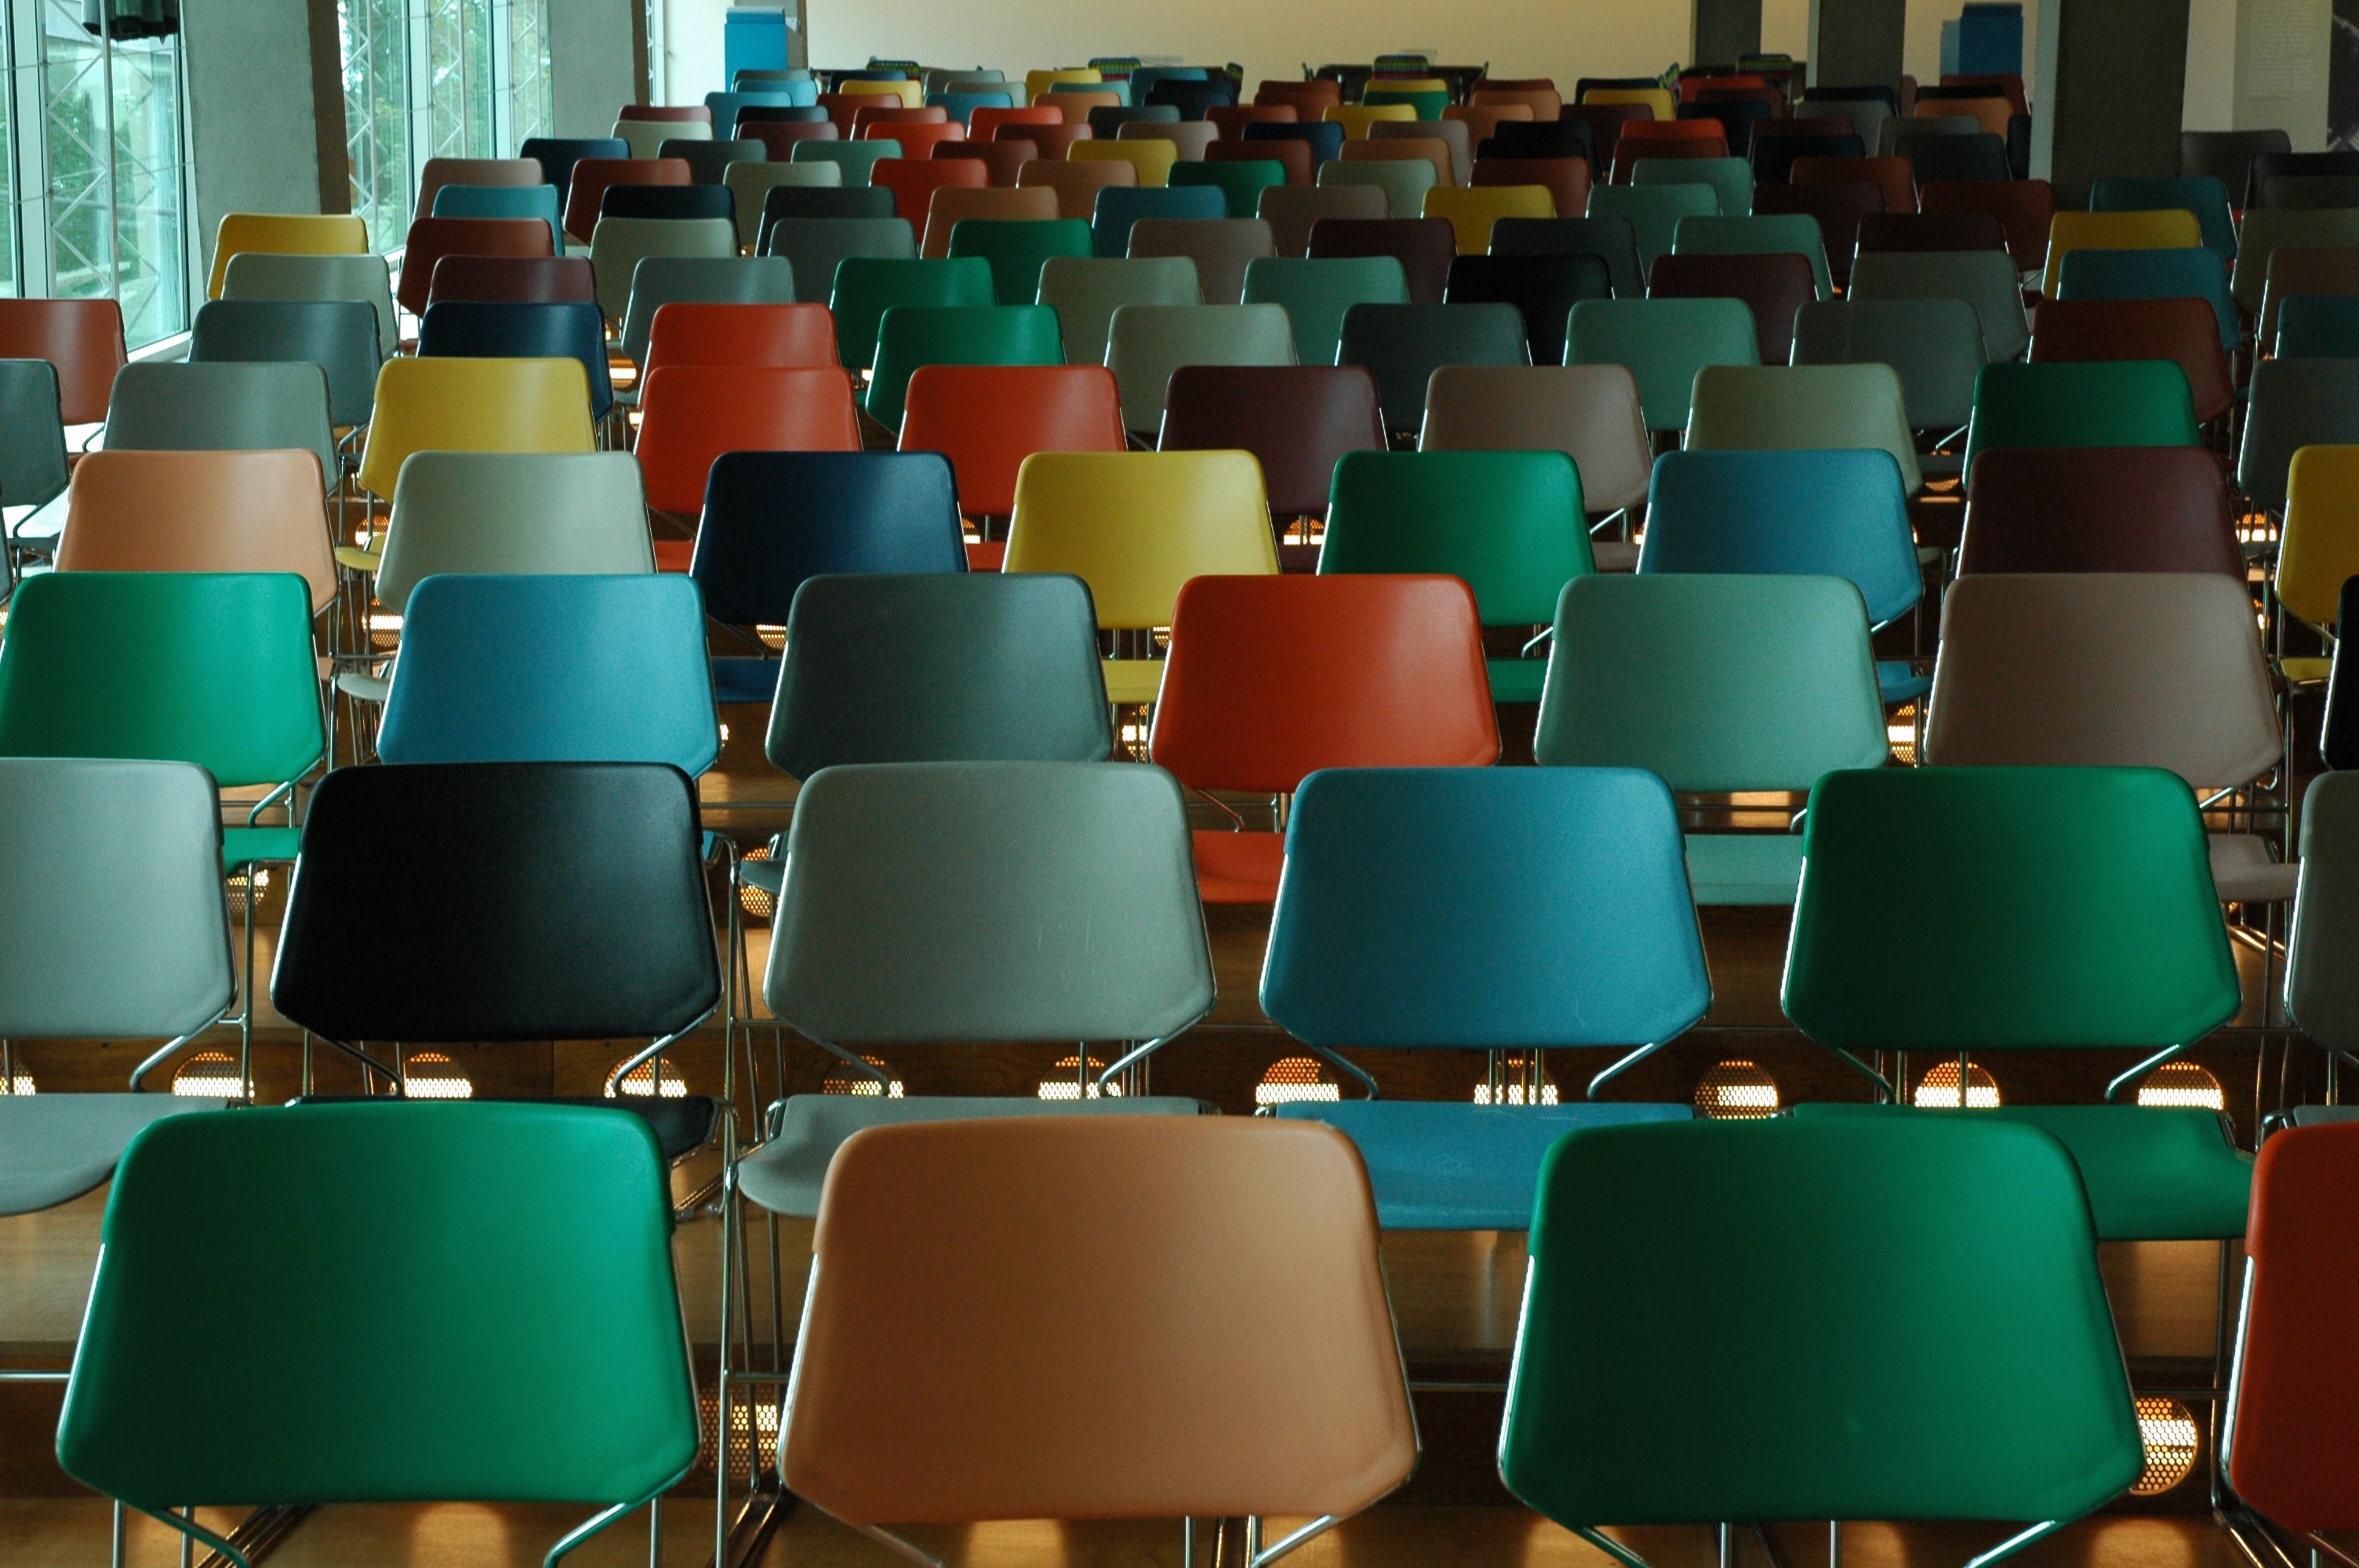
914 180
2185 330
982 126
431 239
916 141
1894 176
1076 184
1271 677
593 175
954 204
199 512
772 336
988 419
898 115
689 415
83 338
1567 179
1309 100
1054 141
1545 103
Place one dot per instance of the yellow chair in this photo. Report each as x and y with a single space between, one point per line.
1136 526
1038 82
1152 156
911 95
1473 208
1659 99
2319 549
284 233
473 406
1355 118
2171 229
1416 84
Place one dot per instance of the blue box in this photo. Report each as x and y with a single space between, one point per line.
753 37
1985 39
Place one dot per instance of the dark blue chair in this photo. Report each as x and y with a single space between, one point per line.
474 328
505 202
672 201
557 155
772 519
2194 273
476 679
1325 137
1193 97
1487 909
2338 740
2206 197
2319 327
1809 513
1120 206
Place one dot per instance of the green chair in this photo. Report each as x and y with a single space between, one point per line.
1428 104
1316 292
1984 279
1147 342
1765 234
1690 1349
1086 292
1653 212
2112 403
867 287
1240 183
1730 180
1404 181
1664 343
914 335
564 1375
1019 250
1802 408
1511 524
856 160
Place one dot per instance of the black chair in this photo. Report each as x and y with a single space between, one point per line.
2338 739
777 114
782 201
469 329
340 336
1930 231
1773 156
1545 288
1613 83
1193 97
1325 139
1424 246
1107 120
1403 345
505 903
2268 166
708 161
557 155
1540 138
667 202
2226 155
1936 156
1737 117
1838 94
1610 240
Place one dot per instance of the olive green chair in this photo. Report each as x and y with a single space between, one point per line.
1717 684
1146 343
1085 292
1240 183
1404 181
1017 250
914 335
1800 408
2268 230
1765 234
1316 292
1651 1388
1663 342
1511 524
1984 279
569 1383
1653 212
865 287
2110 403
1730 180
854 159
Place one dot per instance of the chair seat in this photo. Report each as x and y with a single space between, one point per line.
1744 868
2299 670
1615 555
1238 867
1130 681
745 680
985 555
54 1148
1446 1165
362 684
770 875
681 1125
673 554
244 846
2153 1173
2242 871
358 559
1517 680
785 1175
1896 682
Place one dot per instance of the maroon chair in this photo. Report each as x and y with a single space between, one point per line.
593 175
1896 177
2185 330
2025 207
779 136
1840 210
1932 231
676 113
1053 141
1294 156
513 280
2100 509
1775 287
1000 160
1425 246
431 239
1606 121
1230 120
1296 419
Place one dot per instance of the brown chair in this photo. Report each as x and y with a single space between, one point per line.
896 114
82 337
199 512
1894 176
1188 139
1543 102
1076 184
2026 208
2100 509
1229 120
1840 210
1271 1384
1054 141
1932 231
1453 134
1774 286
1590 412
1606 121
841 107
500 172
1424 246
2304 269
1293 157
1298 420
1432 150
1222 249
1291 210
431 239
1309 100
2184 330
953 204
593 175
513 280
779 136
2007 86
1002 161
1482 119
1567 179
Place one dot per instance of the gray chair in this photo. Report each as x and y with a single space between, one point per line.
1222 249
749 184
659 281
1403 345
815 246
1868 115
258 275
32 470
1085 292
78 960
215 407
2321 986
708 161
1908 127
2226 155
1984 279
2294 404
1934 155
1145 343
338 336
1935 345
986 900
1610 239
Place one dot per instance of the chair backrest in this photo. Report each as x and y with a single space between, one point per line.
825 198
1017 250
2292 170
33 464
1085 293
431 239
1588 412
1985 279
816 248
2182 330
83 338
557 155
1543 288
1652 212
2010 1289
93 964
1934 346
283 234
1511 525
939 667
694 331
1145 343
951 205
1610 239
2100 509
540 513
2206 197
2266 229
477 174
911 336
677 203
774 519
2120 403
219 407
2226 155
2293 403
1237 180
199 512
987 419
472 405
1222 249
1403 179
1273 677
366 279
1730 180
708 161
2319 326
2320 994
690 414
1832 514
1713 683
1932 231
866 289
1937 155
1402 345
1296 421
338 336
1424 246
1566 180
1663 342
1136 526
539 201
472 682
2296 270
2130 952
915 892
749 182
914 180
645 139
2025 208
1077 184
1290 211
1788 233
592 175
2103 669
1802 408
1894 178
2319 548
474 328
621 244
445 857
522 280
1316 293
1773 288
2192 273
856 160
212 668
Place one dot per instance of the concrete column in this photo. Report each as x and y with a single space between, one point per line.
253 133
596 63
2108 89
1725 29
1857 43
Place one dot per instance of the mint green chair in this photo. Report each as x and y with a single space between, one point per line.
1404 181
1653 212
855 160
1663 342
1730 180
1758 235
1317 291
1017 250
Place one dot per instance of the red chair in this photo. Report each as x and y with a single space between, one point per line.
83 338
1567 179
2025 208
513 280
2100 509
988 419
1297 420
1054 141
676 113
841 107
918 141
913 182
2294 1443
431 239
1293 157
778 136
1775 287
772 336
1840 210
593 175
1230 120
1894 176
1002 161
1273 677
1694 83
689 415
898 115
2185 330
984 125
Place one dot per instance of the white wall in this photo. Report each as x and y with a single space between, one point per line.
693 60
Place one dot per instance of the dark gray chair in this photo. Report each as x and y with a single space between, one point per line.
1610 239
2226 155
1936 155
707 160
340 336
2294 404
1403 345
216 407
32 450
681 203
816 244
659 281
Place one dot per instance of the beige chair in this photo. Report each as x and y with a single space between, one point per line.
952 204
1794 408
1590 412
1085 292
1455 135
1076 183
1291 210
199 512
618 244
647 138
546 512
1147 342
1188 138
1222 249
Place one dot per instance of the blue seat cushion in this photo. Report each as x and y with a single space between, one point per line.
745 680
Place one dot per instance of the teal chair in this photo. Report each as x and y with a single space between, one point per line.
1511 524
1664 343
2206 196
1653 212
1240 183
867 287
1019 250
2112 403
856 160
1730 180
1317 291
1765 234
914 335
504 202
